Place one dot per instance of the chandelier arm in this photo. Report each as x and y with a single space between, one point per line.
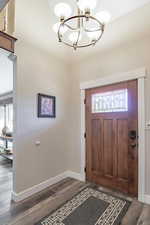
71 28
79 32
78 20
80 46
100 36
79 26
86 45
86 30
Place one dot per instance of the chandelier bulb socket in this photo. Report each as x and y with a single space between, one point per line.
75 47
62 19
87 13
93 42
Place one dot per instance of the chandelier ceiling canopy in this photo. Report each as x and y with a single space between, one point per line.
81 29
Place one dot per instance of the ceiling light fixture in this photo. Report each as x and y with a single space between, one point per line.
82 29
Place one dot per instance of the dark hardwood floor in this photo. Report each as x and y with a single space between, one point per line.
9 210
30 211
5 184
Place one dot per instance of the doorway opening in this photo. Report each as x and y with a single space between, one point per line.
112 136
6 126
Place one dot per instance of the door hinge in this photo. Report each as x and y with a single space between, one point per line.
84 135
85 169
85 101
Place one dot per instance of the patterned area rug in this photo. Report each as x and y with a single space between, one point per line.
89 207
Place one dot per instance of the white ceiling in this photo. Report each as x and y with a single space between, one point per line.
6 74
34 23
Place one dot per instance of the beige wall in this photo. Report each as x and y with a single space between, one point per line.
60 139
38 72
124 58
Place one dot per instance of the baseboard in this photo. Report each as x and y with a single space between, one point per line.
76 176
147 199
17 197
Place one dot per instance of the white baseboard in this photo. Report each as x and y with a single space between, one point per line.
39 187
147 199
76 176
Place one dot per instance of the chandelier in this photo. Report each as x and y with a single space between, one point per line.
83 29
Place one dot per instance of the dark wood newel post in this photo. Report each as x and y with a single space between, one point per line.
7 42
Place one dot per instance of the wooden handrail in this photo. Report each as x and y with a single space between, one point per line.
7 42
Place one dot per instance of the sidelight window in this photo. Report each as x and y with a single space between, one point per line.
112 101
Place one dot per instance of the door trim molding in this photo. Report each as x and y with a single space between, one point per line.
114 78
140 75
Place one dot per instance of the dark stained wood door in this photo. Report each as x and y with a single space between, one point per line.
111 136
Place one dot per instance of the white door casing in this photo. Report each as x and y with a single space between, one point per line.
140 75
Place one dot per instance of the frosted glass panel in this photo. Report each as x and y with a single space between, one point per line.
113 101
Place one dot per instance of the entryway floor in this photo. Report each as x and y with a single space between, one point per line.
5 184
30 211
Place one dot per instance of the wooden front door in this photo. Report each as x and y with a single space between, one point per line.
111 136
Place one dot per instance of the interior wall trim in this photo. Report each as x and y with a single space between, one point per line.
17 197
114 78
147 199
140 75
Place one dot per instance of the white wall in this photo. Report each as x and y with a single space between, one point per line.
38 72
6 74
124 58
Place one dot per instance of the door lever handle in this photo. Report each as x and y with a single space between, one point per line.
133 145
132 134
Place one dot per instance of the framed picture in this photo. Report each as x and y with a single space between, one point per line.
46 106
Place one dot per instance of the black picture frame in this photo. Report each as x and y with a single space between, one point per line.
50 106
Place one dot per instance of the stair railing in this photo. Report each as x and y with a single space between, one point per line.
7 18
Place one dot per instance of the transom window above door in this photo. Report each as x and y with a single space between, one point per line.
112 101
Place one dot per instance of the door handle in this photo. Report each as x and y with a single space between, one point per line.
132 134
133 145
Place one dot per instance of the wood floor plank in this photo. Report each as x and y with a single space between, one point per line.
33 209
133 213
9 210
145 216
45 207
